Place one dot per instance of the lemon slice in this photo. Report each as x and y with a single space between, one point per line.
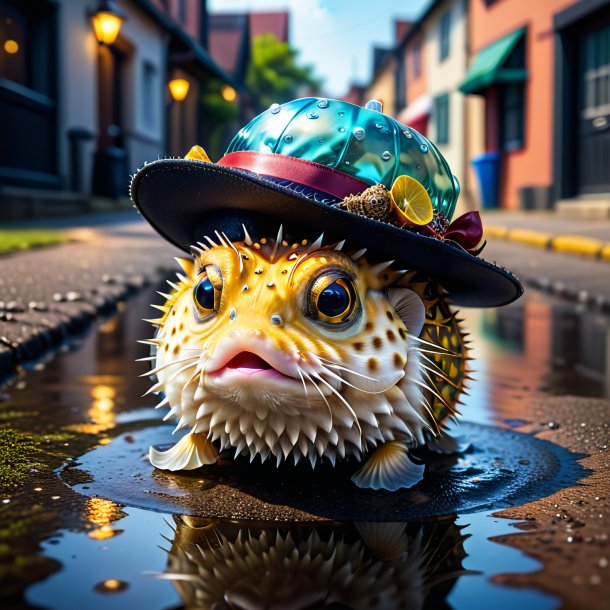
412 203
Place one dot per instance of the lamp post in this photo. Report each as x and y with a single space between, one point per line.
179 88
228 93
107 20
110 165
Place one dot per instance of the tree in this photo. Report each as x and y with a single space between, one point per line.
273 75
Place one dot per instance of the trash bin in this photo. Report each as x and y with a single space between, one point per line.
110 172
487 170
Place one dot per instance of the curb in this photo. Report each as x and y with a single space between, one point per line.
577 245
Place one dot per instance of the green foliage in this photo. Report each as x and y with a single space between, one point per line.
273 73
15 239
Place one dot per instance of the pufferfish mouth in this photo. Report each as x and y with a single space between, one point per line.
249 364
252 359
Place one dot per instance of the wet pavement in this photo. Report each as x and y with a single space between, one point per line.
542 373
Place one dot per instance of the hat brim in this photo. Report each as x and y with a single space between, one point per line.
185 199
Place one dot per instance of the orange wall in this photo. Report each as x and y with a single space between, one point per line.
532 164
415 86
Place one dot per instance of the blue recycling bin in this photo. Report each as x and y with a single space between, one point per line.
487 170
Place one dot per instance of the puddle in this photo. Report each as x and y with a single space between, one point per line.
500 468
60 548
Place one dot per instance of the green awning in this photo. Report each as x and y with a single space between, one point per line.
488 67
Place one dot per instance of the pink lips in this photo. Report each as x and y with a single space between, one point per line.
249 364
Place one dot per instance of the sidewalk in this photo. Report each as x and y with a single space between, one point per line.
567 257
548 231
49 296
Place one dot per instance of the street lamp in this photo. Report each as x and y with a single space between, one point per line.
179 88
107 20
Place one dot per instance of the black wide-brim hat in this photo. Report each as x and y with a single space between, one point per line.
186 199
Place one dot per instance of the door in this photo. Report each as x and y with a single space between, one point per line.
594 105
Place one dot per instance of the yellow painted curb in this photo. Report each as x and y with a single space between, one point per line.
537 239
496 232
605 253
577 244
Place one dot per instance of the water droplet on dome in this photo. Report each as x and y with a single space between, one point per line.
347 163
287 138
342 129
274 108
323 104
385 155
359 133
423 148
341 113
378 125
418 168
312 115
407 133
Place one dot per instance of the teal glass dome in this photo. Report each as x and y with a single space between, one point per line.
358 141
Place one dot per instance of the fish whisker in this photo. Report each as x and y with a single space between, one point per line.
162 367
315 385
347 405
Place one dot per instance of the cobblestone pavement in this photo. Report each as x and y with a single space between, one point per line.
50 295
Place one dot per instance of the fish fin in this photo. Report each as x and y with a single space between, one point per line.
385 541
409 307
448 444
390 468
190 452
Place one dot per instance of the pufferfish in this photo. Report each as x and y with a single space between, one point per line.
301 351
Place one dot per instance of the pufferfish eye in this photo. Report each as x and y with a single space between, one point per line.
206 292
332 298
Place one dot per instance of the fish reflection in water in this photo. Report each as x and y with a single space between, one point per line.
220 565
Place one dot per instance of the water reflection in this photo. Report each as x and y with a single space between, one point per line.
101 514
534 348
360 565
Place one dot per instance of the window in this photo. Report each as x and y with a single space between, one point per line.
512 102
148 99
14 51
416 56
441 117
444 35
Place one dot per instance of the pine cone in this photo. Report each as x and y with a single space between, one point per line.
374 203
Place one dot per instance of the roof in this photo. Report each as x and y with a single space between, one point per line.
229 42
189 53
271 22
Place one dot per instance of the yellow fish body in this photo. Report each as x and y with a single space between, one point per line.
304 351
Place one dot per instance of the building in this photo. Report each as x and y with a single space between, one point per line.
580 132
388 82
446 60
417 102
543 72
78 117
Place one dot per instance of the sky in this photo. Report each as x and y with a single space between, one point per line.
336 37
